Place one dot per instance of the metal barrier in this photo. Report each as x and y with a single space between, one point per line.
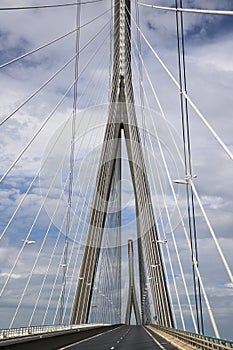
34 330
198 341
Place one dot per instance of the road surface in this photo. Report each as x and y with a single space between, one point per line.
123 338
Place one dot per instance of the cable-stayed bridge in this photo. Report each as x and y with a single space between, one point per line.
116 173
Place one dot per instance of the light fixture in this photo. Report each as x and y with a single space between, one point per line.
185 181
27 241
162 241
154 265
182 182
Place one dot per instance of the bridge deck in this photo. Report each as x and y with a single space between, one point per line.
123 338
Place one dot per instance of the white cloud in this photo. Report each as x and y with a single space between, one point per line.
13 275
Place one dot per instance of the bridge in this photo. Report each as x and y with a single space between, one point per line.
116 171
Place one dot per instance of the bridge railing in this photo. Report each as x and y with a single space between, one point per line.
33 330
198 341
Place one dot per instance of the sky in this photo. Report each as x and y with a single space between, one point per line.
209 70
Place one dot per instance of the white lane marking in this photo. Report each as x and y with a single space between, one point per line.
82 341
155 340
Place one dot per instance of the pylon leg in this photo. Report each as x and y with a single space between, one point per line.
132 297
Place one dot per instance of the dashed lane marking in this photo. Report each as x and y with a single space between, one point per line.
82 341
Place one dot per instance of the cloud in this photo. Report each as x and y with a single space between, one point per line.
13 275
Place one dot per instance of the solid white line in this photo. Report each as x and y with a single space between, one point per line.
155 340
82 341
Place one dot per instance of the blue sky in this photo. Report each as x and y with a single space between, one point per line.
209 51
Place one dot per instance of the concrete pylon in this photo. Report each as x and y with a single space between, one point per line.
132 302
122 121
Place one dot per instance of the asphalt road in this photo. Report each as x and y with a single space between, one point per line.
123 338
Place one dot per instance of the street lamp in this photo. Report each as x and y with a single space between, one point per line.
185 181
154 265
162 241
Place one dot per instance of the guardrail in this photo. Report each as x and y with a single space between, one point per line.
34 330
50 337
198 341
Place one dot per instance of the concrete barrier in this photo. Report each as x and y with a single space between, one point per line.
50 341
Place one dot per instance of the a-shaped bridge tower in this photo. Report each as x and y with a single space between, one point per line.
122 122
